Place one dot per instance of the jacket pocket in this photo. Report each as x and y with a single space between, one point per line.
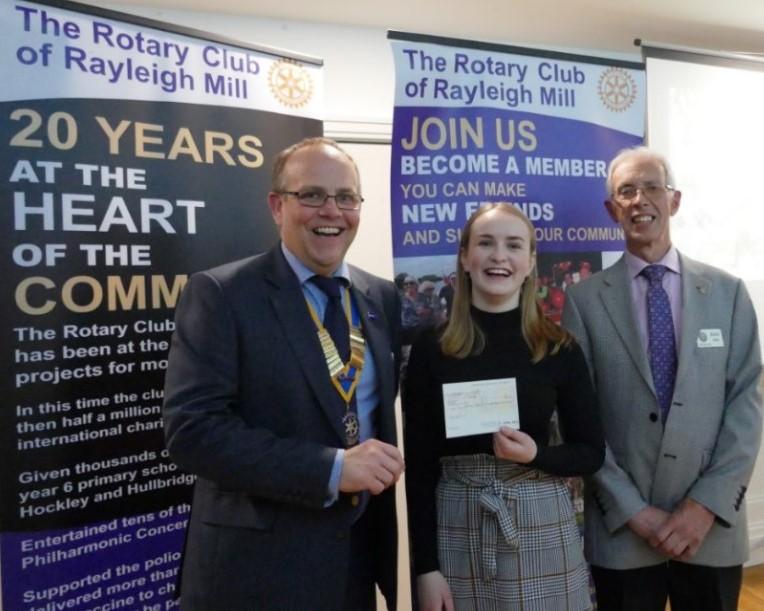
222 508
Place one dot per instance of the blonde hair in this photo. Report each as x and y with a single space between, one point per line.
462 336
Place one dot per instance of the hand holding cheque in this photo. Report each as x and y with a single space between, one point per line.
488 406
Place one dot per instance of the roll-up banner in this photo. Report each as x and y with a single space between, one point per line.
135 153
477 122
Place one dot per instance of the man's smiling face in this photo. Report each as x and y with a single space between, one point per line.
645 219
319 237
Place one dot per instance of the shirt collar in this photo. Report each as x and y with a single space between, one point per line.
635 265
304 273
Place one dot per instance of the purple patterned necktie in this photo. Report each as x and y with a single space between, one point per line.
661 344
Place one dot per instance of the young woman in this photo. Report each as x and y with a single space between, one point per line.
490 517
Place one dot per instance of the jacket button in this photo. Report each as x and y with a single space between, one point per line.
653 417
354 500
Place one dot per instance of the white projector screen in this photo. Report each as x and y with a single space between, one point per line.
705 112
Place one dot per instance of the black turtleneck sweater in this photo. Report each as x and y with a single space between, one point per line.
559 381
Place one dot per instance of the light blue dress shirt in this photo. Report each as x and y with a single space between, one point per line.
367 395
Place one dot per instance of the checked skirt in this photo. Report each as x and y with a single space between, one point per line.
507 538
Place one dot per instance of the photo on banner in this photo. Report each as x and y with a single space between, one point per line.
478 122
135 153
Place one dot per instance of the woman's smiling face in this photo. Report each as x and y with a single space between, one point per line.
498 259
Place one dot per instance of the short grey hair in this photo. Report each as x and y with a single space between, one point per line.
643 152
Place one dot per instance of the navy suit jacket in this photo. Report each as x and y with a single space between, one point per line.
250 409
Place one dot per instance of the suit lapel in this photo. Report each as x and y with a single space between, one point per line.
288 302
616 297
695 290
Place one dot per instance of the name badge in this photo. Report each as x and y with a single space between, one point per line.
710 338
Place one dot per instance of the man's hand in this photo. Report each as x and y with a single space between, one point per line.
433 592
371 465
514 445
648 521
685 530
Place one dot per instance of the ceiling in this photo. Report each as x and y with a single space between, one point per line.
718 25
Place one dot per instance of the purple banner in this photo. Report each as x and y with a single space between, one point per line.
478 123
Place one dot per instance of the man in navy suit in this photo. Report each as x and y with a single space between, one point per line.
290 431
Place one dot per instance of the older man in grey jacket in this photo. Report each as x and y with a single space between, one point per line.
673 349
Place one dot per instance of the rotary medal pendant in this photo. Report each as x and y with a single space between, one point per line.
352 427
345 376
346 381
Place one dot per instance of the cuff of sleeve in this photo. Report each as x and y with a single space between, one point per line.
538 460
616 510
333 488
619 518
426 565
721 498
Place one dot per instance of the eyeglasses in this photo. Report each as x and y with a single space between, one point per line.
315 198
628 193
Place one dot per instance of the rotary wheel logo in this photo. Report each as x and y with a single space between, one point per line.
290 83
617 89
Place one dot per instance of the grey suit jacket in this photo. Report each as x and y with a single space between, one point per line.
711 438
249 408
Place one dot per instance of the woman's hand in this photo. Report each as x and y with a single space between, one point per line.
434 593
514 445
